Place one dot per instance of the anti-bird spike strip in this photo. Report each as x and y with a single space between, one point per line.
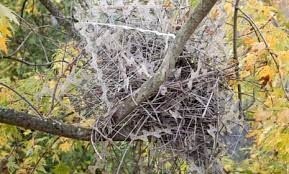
127 41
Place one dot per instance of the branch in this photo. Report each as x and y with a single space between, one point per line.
51 126
235 57
272 54
126 106
22 97
30 63
61 19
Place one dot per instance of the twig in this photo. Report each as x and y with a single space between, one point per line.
273 55
42 155
21 45
61 19
33 64
53 96
137 131
22 97
235 56
209 100
263 26
23 8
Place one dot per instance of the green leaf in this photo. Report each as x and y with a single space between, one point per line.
61 168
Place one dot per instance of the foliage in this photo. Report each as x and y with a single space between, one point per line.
5 28
24 151
264 60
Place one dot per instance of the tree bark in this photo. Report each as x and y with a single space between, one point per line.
51 126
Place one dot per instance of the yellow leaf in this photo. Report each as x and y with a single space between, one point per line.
283 58
3 46
258 46
3 140
250 61
249 41
214 14
168 4
283 117
262 115
87 122
272 41
266 75
5 27
21 171
228 8
66 146
267 70
52 84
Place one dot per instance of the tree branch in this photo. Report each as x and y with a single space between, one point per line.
168 64
30 63
61 19
235 57
28 121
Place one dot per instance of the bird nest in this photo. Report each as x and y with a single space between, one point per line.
127 42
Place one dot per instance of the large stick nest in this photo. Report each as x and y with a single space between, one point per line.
127 43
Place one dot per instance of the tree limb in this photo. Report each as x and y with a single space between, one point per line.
51 126
61 19
126 106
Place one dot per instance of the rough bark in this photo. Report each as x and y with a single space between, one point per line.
28 121
125 107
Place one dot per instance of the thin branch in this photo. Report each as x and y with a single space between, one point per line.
53 96
73 62
210 98
22 97
61 19
235 56
273 55
261 27
32 64
21 45
43 155
252 26
23 8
